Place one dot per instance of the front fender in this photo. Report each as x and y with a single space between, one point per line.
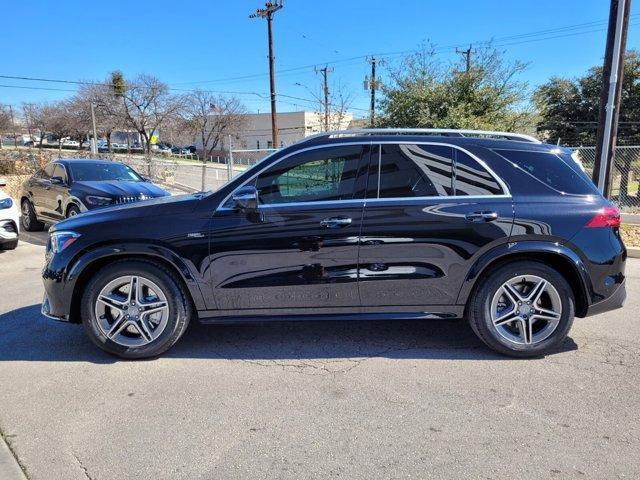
189 275
506 250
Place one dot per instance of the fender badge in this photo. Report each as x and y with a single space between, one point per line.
195 235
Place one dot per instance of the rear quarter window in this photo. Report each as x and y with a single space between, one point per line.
551 170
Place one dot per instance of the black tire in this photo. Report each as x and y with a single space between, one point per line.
180 309
479 309
72 211
28 218
9 245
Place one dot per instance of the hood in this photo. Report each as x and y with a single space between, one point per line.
169 205
117 189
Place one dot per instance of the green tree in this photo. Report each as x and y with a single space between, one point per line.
425 93
568 108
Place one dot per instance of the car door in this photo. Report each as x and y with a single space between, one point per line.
298 251
431 208
58 193
40 187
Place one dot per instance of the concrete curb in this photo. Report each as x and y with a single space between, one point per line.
632 218
633 252
9 467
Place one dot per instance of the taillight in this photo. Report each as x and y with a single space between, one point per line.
606 217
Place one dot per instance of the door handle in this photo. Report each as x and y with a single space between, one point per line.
484 216
335 222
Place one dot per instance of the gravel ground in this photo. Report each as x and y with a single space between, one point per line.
356 400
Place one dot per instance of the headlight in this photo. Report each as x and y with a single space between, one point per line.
6 203
96 201
61 240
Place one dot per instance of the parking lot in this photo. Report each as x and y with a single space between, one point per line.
315 400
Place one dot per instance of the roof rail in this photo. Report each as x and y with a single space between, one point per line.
447 132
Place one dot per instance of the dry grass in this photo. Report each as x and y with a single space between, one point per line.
630 235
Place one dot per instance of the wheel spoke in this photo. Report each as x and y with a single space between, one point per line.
133 289
120 324
525 329
112 302
537 291
512 293
143 328
507 317
545 314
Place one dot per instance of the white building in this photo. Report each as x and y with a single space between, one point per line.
292 126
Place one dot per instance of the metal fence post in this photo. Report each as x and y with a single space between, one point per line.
204 172
230 162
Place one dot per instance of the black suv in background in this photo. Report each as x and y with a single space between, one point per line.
65 188
493 227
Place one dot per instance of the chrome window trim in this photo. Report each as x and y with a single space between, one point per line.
506 193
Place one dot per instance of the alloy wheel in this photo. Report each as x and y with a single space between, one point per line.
526 310
26 217
132 311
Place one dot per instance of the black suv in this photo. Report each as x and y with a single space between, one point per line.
493 227
65 188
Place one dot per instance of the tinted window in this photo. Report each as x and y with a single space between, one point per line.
100 172
471 178
411 171
324 174
550 170
59 171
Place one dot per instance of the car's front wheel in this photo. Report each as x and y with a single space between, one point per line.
522 309
72 211
135 309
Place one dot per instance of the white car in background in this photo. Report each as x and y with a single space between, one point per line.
9 220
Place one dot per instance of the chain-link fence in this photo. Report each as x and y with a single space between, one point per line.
193 175
626 174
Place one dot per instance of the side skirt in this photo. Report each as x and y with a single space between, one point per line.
375 313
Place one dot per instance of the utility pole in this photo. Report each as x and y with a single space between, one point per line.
325 74
610 94
94 141
267 12
467 54
372 85
13 127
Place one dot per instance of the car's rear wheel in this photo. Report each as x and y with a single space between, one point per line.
522 309
28 218
135 309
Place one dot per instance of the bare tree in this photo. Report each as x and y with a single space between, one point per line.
339 99
210 117
147 105
109 108
5 121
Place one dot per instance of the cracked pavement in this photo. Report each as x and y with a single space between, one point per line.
298 400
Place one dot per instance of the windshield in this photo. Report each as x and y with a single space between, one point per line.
100 172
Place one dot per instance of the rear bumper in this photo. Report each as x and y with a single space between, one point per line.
8 231
614 301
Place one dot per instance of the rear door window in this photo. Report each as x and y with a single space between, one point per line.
551 170
407 170
471 178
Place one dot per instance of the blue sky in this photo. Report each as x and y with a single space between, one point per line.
210 43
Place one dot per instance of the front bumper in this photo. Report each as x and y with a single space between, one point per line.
45 309
612 302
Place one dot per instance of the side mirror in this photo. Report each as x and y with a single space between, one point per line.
3 182
57 181
245 198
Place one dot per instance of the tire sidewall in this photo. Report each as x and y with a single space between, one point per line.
178 313
484 325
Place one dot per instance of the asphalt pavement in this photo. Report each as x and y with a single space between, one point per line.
357 400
